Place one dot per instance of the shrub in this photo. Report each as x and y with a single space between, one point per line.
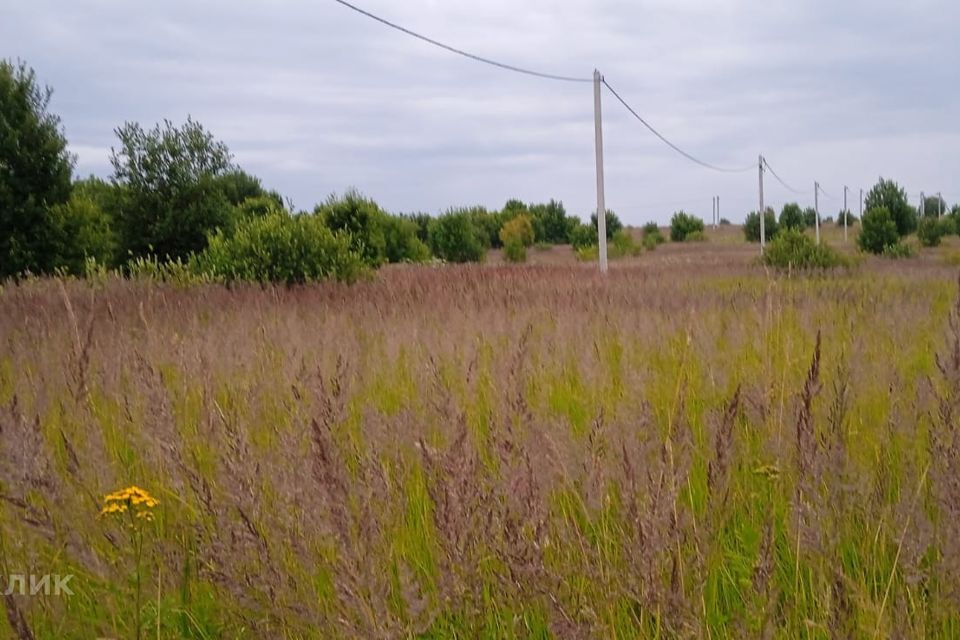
651 242
791 217
878 231
550 222
652 231
751 226
793 249
851 219
930 231
514 250
259 206
361 219
613 224
888 195
724 221
623 245
280 247
696 236
583 235
810 217
898 250
683 224
455 238
519 230
402 243
81 231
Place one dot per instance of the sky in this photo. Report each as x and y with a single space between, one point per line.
315 98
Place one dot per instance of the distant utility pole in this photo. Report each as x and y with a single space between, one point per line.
763 231
717 223
861 206
816 207
844 214
601 206
922 204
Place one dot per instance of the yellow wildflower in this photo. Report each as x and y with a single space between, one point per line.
133 498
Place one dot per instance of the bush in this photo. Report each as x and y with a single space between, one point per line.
696 236
402 241
623 245
455 238
255 206
725 222
651 241
898 250
878 231
793 249
810 217
363 222
613 224
583 235
791 217
514 250
280 247
888 195
683 224
851 219
751 226
81 231
550 222
652 231
519 230
930 231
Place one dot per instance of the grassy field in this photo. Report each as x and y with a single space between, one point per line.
691 447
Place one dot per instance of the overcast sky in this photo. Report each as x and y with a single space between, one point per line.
315 98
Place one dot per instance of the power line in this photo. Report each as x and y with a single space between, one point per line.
825 194
667 142
780 180
508 67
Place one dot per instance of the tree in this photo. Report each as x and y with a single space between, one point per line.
888 195
791 217
518 230
934 206
878 231
550 222
613 224
402 242
583 235
930 230
751 226
172 195
238 186
362 219
851 218
35 170
455 238
810 217
683 225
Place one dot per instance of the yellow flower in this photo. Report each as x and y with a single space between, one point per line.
132 497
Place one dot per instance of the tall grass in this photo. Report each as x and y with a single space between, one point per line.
489 452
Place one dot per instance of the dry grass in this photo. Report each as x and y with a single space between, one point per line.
689 448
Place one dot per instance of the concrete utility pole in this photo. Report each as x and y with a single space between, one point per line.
763 234
923 202
601 206
844 213
816 207
718 213
861 206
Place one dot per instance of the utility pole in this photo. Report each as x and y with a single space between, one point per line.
718 213
713 211
601 205
923 202
844 214
763 234
816 207
861 206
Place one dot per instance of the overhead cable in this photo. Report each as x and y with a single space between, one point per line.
670 144
466 54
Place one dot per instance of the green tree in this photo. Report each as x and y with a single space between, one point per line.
518 230
551 223
888 195
613 224
402 242
454 237
791 217
751 226
362 219
878 231
172 198
930 230
583 235
683 225
934 206
238 186
82 231
35 170
280 247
